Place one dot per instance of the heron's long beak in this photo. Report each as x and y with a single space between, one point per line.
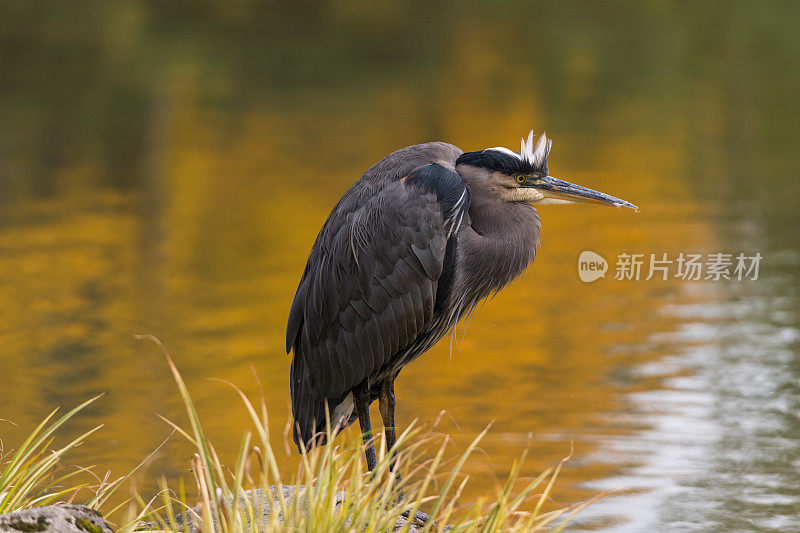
556 191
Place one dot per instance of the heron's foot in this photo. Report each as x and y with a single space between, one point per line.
419 517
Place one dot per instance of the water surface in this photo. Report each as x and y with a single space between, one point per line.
165 169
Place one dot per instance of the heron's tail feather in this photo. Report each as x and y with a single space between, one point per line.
310 412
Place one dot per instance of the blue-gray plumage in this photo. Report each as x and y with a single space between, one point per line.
411 247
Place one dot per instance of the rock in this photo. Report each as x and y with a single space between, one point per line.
193 518
55 518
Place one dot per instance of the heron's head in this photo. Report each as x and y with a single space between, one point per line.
524 176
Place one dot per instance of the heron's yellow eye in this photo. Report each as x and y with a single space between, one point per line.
520 179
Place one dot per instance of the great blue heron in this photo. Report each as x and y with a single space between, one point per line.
411 247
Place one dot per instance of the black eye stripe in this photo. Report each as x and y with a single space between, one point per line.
497 162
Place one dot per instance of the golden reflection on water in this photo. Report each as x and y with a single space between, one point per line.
166 171
208 258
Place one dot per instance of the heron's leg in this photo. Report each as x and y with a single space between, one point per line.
386 403
361 399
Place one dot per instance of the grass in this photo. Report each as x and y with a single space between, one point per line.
332 490
33 476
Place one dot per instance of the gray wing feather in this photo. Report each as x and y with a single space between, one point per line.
370 282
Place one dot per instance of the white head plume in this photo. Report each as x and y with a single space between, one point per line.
533 154
536 154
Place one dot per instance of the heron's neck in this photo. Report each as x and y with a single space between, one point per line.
499 242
